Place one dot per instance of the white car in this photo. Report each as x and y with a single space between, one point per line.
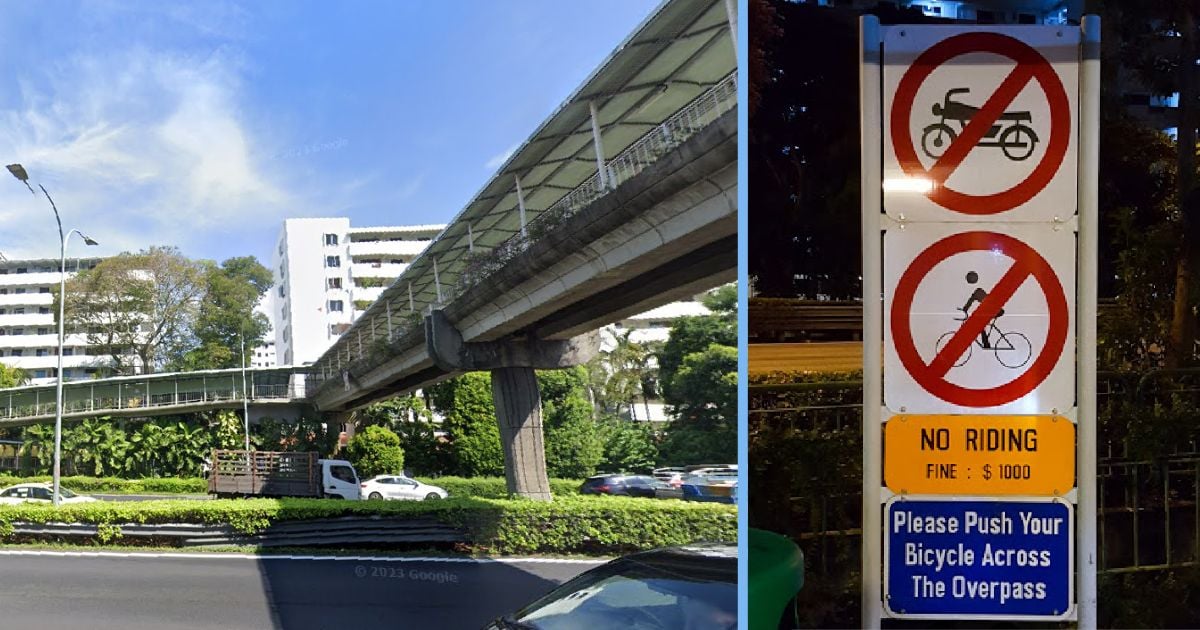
38 493
400 487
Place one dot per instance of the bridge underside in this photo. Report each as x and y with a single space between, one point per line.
668 233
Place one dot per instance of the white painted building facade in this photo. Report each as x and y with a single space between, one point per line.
326 274
28 328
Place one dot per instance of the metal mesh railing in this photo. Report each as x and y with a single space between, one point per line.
806 448
652 146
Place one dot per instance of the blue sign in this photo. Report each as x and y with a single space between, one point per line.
975 558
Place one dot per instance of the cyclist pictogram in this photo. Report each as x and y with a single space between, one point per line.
1011 132
1025 330
1012 349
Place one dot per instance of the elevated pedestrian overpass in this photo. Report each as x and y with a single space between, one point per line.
161 394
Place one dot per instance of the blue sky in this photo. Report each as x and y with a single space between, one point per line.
204 124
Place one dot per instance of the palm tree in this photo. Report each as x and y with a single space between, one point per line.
37 441
146 448
188 446
98 442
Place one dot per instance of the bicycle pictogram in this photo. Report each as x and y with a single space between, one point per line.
1011 131
1012 349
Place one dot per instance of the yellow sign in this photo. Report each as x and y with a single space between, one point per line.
987 455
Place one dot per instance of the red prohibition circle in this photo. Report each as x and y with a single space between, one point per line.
1030 64
1027 263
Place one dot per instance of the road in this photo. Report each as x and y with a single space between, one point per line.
805 357
55 590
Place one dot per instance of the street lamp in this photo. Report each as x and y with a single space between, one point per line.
18 171
245 393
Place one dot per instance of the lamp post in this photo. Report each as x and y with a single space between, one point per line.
18 171
245 393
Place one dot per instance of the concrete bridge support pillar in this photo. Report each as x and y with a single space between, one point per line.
519 412
514 390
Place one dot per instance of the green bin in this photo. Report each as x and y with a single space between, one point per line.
776 575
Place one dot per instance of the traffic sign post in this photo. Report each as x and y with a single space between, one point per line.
980 222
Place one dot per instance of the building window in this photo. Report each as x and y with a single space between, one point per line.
68 352
335 306
20 310
3 311
41 352
17 352
38 373
333 261
43 331
43 289
43 310
282 293
19 290
22 270
331 239
333 283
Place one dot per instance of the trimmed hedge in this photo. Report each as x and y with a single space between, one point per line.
566 525
117 485
494 487
477 487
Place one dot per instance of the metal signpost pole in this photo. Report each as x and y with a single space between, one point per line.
872 150
1089 152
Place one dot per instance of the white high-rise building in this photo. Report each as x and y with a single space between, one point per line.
327 273
28 328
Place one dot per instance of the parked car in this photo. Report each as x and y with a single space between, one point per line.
400 487
37 493
693 586
623 485
670 476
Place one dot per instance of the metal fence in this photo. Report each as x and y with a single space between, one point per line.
1148 478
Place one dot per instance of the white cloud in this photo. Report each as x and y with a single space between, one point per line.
138 148
498 160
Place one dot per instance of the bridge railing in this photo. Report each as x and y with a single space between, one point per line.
105 404
652 146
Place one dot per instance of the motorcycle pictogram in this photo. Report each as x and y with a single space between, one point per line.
1012 133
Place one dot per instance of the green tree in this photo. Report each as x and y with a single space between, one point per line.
189 447
230 431
227 313
407 416
688 336
376 451
37 446
138 305
704 428
97 447
147 450
628 446
424 452
573 445
618 377
722 300
12 376
469 419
